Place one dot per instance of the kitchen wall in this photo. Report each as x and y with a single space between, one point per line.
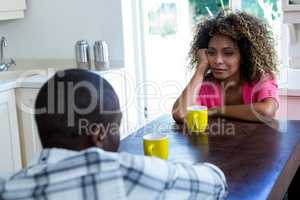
51 28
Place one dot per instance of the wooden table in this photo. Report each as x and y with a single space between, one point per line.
258 160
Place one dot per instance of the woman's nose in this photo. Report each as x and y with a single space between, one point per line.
219 59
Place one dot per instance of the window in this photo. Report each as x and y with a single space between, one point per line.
163 19
202 8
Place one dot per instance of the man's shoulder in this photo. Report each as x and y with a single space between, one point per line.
85 159
63 174
59 165
54 161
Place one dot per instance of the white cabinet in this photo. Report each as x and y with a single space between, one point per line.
30 142
12 9
10 156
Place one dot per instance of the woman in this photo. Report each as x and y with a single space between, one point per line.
235 64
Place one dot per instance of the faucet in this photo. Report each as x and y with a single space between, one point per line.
3 65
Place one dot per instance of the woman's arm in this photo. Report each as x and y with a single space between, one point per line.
250 112
189 95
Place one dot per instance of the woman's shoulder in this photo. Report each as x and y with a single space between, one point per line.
268 77
265 79
265 82
265 87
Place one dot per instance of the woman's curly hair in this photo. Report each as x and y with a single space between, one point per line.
253 37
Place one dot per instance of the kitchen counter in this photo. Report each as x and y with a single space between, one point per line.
35 81
31 78
7 84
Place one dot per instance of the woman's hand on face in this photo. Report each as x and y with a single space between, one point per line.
202 60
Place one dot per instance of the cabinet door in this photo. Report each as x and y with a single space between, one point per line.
12 9
30 142
10 155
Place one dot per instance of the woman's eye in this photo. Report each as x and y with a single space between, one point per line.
228 53
210 53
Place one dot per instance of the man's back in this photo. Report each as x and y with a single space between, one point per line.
96 174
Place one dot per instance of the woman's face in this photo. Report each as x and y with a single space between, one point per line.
224 58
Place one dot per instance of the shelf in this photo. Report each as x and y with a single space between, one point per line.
291 7
291 12
291 17
7 15
12 9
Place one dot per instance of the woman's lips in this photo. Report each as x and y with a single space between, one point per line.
218 70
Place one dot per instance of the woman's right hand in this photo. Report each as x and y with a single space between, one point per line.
202 61
190 92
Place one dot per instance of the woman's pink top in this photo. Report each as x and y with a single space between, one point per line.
212 94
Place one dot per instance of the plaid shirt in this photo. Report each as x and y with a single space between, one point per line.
96 174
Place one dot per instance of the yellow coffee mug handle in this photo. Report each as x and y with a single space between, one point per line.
150 149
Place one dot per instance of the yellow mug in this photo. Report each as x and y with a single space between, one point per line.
156 145
197 118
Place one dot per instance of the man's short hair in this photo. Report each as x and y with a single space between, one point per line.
69 100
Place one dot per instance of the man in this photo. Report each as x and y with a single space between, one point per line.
78 117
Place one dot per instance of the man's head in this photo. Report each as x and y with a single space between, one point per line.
77 109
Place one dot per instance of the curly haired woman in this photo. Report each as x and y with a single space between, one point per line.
235 64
